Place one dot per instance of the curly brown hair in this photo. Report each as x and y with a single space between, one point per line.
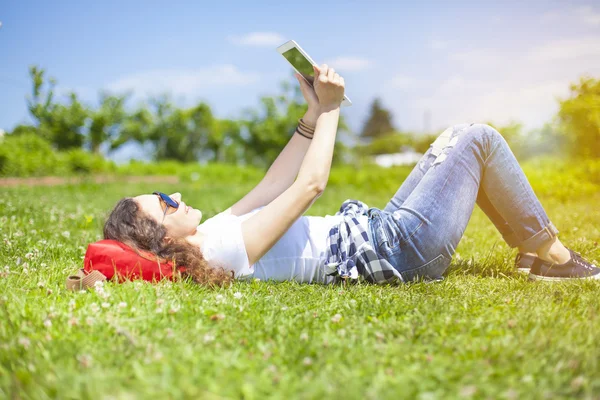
128 224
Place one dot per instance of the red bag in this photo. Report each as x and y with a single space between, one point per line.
106 259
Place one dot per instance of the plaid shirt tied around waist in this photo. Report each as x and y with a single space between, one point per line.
351 254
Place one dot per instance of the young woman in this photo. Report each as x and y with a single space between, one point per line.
266 236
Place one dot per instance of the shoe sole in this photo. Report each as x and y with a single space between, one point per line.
523 271
534 277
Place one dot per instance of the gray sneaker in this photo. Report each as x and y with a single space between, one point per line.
576 268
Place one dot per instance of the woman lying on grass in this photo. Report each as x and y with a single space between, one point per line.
266 236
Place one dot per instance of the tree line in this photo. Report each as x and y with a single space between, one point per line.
175 133
259 134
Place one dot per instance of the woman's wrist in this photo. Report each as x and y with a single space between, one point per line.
313 113
311 116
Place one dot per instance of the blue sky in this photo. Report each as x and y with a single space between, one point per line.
458 61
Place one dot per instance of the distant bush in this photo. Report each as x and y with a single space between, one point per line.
80 161
563 178
28 154
191 172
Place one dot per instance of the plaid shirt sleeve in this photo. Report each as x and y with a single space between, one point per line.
349 252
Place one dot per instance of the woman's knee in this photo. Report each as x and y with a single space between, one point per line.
484 135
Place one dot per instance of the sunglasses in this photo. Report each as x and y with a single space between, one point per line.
168 202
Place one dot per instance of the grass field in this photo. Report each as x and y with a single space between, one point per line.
484 332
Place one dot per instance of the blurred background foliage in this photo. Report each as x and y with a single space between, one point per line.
68 137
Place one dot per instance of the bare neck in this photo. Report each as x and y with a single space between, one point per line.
196 239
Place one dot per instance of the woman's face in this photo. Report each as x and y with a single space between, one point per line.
179 223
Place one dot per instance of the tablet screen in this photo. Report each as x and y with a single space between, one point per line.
300 63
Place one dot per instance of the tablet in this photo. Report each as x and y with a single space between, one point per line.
302 63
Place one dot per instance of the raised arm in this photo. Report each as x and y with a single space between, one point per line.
265 228
282 172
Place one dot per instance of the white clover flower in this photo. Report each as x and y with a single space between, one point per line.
284 308
90 321
94 307
47 323
98 284
43 265
105 305
24 342
66 234
219 297
159 310
29 256
72 304
336 318
122 304
307 361
304 336
208 338
237 295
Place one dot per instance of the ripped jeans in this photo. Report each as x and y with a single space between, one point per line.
419 229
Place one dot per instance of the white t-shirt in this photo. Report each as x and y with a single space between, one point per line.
297 255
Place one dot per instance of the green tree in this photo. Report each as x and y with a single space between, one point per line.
106 120
185 135
379 122
579 116
60 124
390 143
270 127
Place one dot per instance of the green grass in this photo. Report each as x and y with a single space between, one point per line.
484 332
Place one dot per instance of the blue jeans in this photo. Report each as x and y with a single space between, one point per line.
419 229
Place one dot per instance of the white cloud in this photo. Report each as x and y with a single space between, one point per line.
573 16
459 100
403 82
183 81
349 63
567 49
258 39
588 15
523 84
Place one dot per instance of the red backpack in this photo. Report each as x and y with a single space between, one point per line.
108 259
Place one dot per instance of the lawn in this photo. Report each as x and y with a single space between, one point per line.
484 332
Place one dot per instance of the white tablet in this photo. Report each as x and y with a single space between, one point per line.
302 63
